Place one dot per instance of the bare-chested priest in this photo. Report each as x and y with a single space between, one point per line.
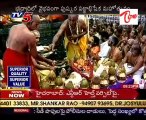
21 45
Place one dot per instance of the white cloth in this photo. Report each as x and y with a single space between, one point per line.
104 49
141 84
137 75
75 78
98 35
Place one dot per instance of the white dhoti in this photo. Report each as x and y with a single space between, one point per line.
137 75
104 49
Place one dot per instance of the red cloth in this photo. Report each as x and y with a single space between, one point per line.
14 58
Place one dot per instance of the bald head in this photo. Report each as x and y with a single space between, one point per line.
73 16
37 34
35 18
34 24
130 41
143 39
72 20
136 49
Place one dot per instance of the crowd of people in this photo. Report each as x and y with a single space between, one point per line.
124 44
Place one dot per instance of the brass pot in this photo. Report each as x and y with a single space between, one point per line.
104 83
59 87
122 77
95 86
112 79
144 76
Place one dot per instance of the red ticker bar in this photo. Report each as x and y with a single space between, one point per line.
78 94
15 94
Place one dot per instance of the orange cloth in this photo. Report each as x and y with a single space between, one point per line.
14 58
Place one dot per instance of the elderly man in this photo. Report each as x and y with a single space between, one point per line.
75 41
143 49
134 62
143 45
21 45
42 68
115 53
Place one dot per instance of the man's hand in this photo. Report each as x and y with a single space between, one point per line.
54 63
52 68
52 46
51 62
73 37
3 85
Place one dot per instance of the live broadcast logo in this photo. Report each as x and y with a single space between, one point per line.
27 16
15 94
17 15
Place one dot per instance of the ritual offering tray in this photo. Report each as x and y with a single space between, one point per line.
84 68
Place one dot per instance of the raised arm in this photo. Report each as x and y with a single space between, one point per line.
125 60
83 28
59 33
33 50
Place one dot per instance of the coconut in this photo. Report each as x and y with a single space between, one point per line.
45 85
84 83
123 70
122 75
58 81
104 75
69 85
95 80
144 76
112 71
108 63
59 87
95 86
52 75
112 79
112 63
63 72
104 83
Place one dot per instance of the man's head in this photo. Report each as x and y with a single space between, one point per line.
34 24
143 39
37 35
110 31
92 31
117 32
72 19
135 49
133 34
113 41
130 43
139 28
115 25
125 32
